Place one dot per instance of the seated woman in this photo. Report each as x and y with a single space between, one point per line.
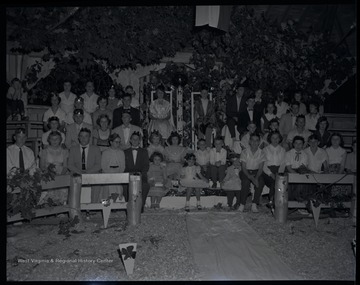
58 156
322 132
113 101
53 125
204 116
102 133
54 111
160 114
112 161
174 156
155 143
102 110
336 154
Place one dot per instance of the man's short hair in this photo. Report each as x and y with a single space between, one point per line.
85 130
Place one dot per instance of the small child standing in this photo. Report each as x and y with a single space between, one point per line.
191 178
157 179
218 162
232 183
203 158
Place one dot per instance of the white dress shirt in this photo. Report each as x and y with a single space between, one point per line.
203 157
218 156
12 157
90 103
251 114
316 160
135 152
59 113
274 156
290 158
252 160
126 134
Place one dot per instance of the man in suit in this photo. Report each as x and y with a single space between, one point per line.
134 113
85 158
126 130
205 115
72 130
235 105
137 160
287 121
249 115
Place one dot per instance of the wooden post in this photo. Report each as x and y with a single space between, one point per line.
74 197
281 198
135 200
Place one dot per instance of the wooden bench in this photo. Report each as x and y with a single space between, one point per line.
294 178
74 185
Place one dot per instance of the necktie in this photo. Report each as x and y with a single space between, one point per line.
134 154
83 158
21 161
297 157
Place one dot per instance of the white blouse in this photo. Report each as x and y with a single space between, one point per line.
274 156
335 154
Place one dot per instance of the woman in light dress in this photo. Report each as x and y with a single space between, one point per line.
160 114
112 161
174 156
55 154
102 134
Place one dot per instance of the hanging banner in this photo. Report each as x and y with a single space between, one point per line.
215 16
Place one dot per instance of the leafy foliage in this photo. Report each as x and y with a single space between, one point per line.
30 190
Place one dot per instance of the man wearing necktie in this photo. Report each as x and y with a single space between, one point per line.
137 160
134 113
248 115
125 131
19 155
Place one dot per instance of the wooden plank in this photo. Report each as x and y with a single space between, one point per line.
296 204
105 178
60 181
320 178
41 213
100 206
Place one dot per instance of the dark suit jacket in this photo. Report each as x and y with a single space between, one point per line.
209 117
231 106
93 164
244 119
141 164
117 117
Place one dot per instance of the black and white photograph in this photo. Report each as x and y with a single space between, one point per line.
181 143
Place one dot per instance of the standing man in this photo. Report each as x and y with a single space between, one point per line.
235 105
134 113
18 155
287 121
90 98
137 160
72 130
249 115
126 130
67 99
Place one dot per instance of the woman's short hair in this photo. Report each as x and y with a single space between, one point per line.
313 102
322 119
153 134
161 87
113 136
158 154
336 135
298 138
102 98
272 103
271 133
51 119
295 103
173 135
54 134
300 117
54 95
103 116
255 134
275 120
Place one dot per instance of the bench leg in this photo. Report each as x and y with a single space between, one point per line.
316 212
106 214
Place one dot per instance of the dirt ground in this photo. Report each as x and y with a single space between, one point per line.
36 252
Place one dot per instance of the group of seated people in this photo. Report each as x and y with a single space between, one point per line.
82 138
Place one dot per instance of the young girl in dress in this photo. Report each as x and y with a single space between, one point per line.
232 183
191 178
155 143
268 116
337 154
157 179
203 157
